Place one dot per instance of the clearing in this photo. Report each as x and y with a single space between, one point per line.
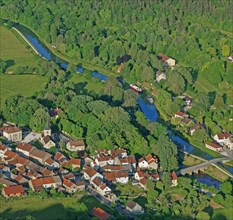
24 85
15 51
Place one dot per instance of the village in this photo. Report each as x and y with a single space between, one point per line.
25 167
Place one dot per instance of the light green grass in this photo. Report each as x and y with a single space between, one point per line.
87 85
24 85
49 208
13 47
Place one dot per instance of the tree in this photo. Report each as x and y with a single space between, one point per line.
3 66
203 216
225 50
130 98
166 179
226 187
39 120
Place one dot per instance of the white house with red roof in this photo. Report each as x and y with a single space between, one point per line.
214 146
174 179
12 133
224 139
100 186
51 164
90 174
180 114
104 160
24 148
142 163
77 145
166 60
11 191
117 177
69 186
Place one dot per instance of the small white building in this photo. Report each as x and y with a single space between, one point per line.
223 139
134 208
90 174
167 61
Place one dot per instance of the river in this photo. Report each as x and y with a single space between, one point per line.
149 110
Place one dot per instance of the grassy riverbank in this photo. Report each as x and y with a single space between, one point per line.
14 50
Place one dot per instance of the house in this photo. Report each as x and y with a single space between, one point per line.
174 179
194 128
20 179
100 213
119 177
154 177
80 185
69 186
90 174
24 148
55 112
11 191
3 149
185 121
100 186
187 101
119 69
120 152
134 208
39 155
181 115
167 61
214 146
60 157
143 183
47 142
142 163
51 164
230 58
222 138
12 133
69 176
139 175
104 160
44 182
77 145
152 162
160 76
74 163
6 182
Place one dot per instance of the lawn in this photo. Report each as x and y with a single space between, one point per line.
216 173
49 208
24 85
15 50
84 84
191 161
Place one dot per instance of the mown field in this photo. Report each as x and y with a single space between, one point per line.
48 208
14 50
24 85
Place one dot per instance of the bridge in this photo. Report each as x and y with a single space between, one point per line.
204 165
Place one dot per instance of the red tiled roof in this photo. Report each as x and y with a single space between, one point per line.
10 129
149 157
74 161
2 147
39 153
105 158
11 190
100 213
131 159
223 136
77 143
217 146
58 156
120 68
67 183
98 182
90 172
180 113
174 176
48 180
10 154
163 57
25 147
110 176
49 161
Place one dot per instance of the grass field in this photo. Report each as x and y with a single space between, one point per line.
87 85
24 85
14 50
49 208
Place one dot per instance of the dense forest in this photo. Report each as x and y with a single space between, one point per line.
197 34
